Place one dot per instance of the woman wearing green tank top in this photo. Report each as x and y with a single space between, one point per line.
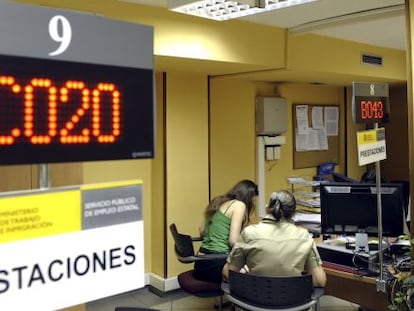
224 218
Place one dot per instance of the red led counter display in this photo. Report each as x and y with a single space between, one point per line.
54 111
370 111
55 96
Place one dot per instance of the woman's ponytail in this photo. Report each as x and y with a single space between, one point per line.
282 204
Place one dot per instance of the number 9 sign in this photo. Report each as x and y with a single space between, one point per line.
60 31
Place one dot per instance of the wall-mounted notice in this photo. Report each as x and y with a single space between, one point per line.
67 246
316 134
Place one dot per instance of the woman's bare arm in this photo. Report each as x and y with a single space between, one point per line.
202 228
318 277
238 210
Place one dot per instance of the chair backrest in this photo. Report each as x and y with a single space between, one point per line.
265 291
184 248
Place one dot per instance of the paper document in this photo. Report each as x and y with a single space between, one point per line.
302 122
332 121
316 202
307 218
317 118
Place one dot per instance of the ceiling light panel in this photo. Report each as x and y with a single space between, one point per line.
224 9
215 9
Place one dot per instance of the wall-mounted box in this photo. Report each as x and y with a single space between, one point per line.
274 140
271 116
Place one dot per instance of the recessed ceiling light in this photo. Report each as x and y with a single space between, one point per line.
225 9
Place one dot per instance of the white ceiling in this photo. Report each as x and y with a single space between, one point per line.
375 22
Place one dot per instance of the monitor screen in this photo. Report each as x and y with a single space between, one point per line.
349 208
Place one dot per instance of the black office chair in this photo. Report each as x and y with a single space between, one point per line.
264 293
184 250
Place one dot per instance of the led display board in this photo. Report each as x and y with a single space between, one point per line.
370 103
75 88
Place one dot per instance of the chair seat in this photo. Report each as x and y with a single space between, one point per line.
184 249
196 287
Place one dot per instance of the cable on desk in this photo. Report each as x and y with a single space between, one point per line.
359 267
355 257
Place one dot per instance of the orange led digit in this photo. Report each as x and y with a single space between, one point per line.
37 84
114 96
9 82
364 109
380 109
83 137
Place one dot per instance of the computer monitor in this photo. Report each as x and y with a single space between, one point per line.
350 208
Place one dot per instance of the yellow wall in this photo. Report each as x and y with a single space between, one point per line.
158 210
409 6
186 156
232 130
320 54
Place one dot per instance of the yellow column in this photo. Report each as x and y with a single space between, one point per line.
409 4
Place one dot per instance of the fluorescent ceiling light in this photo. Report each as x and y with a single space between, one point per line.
224 9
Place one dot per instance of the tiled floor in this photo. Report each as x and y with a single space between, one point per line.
180 301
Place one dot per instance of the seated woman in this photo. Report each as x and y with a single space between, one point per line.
224 218
276 246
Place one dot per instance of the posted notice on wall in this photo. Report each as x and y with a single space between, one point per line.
66 246
312 135
371 146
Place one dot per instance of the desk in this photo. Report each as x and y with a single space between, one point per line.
357 289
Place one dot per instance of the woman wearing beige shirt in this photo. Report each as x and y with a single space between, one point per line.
276 246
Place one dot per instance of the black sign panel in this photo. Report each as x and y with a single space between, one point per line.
73 87
370 103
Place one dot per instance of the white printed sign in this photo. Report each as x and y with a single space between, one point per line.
371 146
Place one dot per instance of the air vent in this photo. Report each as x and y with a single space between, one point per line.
371 59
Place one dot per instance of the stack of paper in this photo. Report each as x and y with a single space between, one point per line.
313 218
